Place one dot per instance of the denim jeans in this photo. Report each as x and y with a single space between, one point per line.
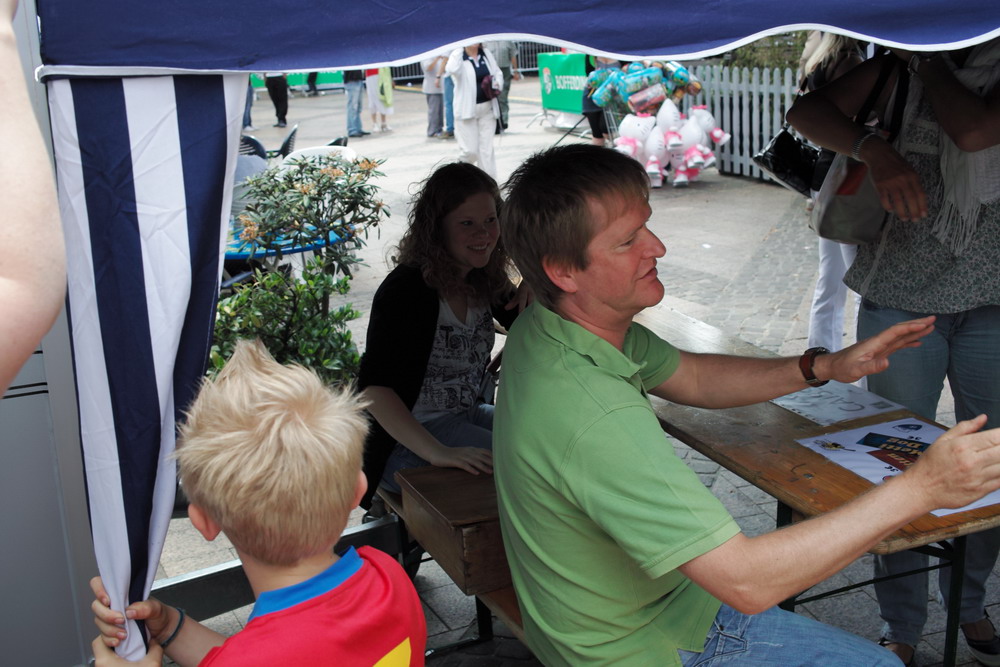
778 637
449 109
473 428
353 89
964 348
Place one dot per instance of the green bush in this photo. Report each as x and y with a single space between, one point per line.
294 206
293 318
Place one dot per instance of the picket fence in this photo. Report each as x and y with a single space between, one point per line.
750 104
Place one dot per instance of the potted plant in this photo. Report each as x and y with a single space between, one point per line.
320 205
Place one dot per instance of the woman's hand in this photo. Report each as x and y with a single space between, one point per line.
111 623
898 185
522 297
472 460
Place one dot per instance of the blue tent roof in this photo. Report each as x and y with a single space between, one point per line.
312 34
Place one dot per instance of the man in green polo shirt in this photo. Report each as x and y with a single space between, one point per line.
619 554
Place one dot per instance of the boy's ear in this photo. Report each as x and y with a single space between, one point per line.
560 275
203 523
361 488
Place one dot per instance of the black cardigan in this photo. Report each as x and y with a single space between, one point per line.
398 346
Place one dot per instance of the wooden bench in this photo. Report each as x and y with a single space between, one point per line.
454 517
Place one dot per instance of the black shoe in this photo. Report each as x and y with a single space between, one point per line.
362 133
985 651
280 124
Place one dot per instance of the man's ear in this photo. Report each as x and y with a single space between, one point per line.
361 488
561 276
203 523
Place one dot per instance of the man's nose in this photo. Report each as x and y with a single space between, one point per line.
654 246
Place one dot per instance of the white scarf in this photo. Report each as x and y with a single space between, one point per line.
969 180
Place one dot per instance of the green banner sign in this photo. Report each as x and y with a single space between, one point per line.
563 77
299 79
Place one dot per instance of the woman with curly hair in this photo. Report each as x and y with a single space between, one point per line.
432 331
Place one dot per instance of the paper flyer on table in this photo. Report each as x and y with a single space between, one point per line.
835 402
880 451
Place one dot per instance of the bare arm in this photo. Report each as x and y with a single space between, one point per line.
392 414
32 266
972 122
515 72
825 117
754 574
720 381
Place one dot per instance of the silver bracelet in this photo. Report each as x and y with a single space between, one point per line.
859 142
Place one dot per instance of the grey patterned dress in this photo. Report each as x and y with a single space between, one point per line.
908 268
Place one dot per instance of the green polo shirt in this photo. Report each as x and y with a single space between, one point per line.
596 508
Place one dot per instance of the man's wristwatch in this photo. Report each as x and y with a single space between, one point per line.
806 362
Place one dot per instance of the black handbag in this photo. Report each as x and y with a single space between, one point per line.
789 160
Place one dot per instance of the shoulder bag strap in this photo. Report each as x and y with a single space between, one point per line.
888 64
895 121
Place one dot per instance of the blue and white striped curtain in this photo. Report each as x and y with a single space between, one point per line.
144 168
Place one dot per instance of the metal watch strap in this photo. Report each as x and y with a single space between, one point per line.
806 362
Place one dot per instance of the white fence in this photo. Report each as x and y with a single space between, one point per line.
750 105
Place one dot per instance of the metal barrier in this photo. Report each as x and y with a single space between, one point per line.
527 62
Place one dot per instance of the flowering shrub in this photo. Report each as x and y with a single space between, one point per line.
327 205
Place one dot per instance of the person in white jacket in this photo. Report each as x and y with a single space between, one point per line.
476 110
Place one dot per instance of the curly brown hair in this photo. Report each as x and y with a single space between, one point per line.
424 245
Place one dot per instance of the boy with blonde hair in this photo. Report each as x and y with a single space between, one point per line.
271 457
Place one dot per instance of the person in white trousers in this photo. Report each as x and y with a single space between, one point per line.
476 113
826 317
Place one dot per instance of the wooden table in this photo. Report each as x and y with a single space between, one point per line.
758 443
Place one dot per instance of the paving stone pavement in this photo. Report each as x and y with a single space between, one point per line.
739 256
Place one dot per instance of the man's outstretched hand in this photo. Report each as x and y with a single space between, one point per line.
872 354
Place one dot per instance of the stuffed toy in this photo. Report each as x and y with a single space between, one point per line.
707 123
637 126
